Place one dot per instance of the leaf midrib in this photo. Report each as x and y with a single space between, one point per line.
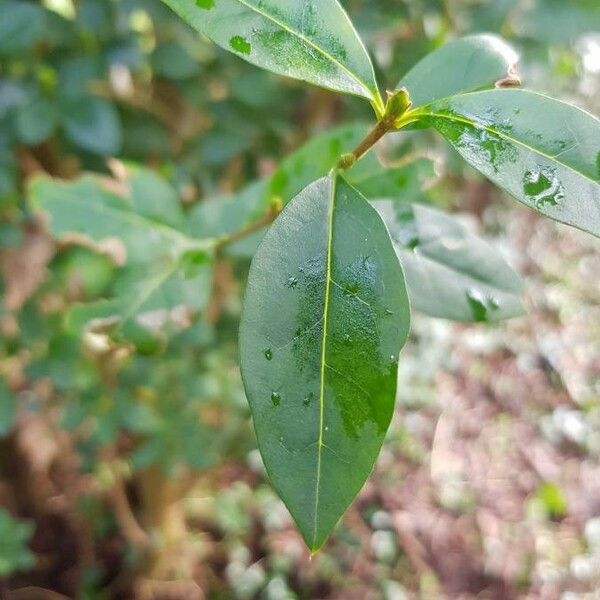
326 54
328 281
493 130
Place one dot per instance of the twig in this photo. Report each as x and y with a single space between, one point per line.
267 219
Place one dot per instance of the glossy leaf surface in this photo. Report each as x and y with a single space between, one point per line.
450 272
542 151
326 314
467 64
311 40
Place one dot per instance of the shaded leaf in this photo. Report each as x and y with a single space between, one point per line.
166 276
304 39
310 161
36 120
326 314
8 408
21 26
542 151
450 272
14 536
93 124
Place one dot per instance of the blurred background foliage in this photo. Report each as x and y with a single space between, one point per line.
127 461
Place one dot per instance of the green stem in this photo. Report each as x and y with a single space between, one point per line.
393 117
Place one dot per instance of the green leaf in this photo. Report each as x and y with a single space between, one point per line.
404 182
324 319
544 152
316 158
21 26
450 272
36 120
463 65
312 160
8 407
14 535
93 124
166 273
305 39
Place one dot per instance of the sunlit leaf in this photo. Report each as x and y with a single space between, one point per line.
326 314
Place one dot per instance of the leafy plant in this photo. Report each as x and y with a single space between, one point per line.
14 535
327 306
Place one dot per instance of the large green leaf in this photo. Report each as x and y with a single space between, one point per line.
464 65
325 316
544 152
311 40
450 272
165 272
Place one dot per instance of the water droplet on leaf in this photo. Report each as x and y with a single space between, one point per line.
275 398
542 186
292 282
268 353
308 399
240 44
205 4
481 303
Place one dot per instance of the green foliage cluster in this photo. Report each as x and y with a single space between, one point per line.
136 327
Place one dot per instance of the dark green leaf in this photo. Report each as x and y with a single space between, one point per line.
14 536
307 163
325 316
7 409
450 272
544 152
93 124
305 39
21 26
463 65
36 120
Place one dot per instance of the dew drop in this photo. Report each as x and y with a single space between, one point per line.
240 44
351 289
308 399
476 302
542 186
268 353
275 398
205 4
326 428
392 358
481 303
292 282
